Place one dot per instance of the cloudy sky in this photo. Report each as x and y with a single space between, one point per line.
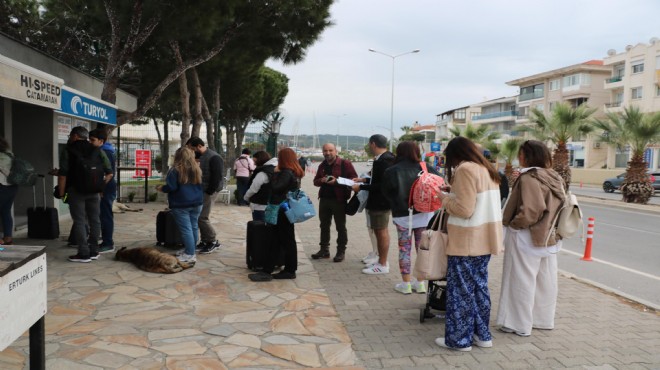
469 50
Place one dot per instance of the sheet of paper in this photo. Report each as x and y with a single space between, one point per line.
345 181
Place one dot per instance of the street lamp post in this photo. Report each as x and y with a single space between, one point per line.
272 137
392 100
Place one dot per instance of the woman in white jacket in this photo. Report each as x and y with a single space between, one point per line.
258 188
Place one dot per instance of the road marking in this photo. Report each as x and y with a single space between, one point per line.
652 213
615 265
629 228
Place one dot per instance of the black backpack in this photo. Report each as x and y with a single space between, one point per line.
87 170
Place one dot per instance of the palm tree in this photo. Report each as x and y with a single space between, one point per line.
478 134
565 123
637 130
509 152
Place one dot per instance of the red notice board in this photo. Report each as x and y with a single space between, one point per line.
143 160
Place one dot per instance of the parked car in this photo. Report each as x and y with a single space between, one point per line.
614 183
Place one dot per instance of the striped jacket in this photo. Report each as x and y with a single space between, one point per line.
474 225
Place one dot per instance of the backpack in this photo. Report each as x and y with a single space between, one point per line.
88 172
569 218
22 173
425 191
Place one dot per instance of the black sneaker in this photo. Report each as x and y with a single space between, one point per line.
210 247
94 257
79 258
106 248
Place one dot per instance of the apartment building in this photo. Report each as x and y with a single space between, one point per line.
454 118
577 84
634 81
499 114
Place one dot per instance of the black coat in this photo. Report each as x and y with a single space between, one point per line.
397 183
377 200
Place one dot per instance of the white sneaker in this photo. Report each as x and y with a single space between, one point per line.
187 258
441 342
370 257
403 287
377 269
481 343
180 252
419 286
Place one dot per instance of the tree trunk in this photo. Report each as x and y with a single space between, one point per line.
636 187
215 106
165 154
184 96
160 145
560 164
197 88
508 172
231 146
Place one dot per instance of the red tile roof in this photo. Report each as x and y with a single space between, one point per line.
594 62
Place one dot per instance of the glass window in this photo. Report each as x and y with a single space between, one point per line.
539 107
552 105
637 67
619 70
459 114
636 93
657 90
571 80
554 84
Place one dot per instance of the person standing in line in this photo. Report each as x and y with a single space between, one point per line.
98 137
84 206
286 178
474 229
259 188
212 167
377 204
7 193
332 200
185 196
243 166
529 279
398 180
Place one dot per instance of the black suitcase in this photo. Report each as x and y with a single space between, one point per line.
167 231
43 222
258 242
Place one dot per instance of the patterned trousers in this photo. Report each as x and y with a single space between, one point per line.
468 300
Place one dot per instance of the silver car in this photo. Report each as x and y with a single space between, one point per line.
614 183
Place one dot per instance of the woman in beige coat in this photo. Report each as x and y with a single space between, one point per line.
529 277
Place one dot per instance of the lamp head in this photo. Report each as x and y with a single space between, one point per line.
416 51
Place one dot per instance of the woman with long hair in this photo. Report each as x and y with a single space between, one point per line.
398 180
258 186
7 193
285 179
185 196
474 228
529 278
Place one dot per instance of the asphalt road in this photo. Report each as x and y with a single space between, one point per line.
597 192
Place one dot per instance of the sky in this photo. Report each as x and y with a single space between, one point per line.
469 49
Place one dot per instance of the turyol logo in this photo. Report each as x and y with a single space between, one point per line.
74 104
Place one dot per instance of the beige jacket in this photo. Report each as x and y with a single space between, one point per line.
535 199
474 225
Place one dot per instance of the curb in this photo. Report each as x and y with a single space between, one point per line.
647 208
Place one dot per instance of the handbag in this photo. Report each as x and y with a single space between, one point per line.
300 207
272 211
431 263
352 205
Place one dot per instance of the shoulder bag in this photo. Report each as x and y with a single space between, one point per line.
431 263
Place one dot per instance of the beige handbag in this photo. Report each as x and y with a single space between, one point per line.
431 263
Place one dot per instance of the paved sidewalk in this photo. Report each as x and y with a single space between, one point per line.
110 315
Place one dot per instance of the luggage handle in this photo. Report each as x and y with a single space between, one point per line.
34 191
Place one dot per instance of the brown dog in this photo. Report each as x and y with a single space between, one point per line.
152 260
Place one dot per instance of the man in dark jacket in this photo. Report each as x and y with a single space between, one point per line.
99 138
378 207
212 173
332 200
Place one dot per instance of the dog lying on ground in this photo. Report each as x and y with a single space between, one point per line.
152 260
121 208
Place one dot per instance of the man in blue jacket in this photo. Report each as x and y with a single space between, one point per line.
99 138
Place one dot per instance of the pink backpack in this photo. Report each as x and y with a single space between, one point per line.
425 191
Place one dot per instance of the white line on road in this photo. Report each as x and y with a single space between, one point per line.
629 228
615 265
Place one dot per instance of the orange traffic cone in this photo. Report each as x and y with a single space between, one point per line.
590 236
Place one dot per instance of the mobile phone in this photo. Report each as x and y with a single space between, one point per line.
329 178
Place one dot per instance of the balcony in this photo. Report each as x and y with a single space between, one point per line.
615 104
495 115
614 79
530 96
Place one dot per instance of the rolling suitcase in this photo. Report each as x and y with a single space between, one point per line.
167 231
258 243
43 222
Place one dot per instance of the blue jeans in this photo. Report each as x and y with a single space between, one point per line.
107 220
186 220
258 215
84 208
7 196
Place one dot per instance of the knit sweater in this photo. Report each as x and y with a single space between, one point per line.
474 225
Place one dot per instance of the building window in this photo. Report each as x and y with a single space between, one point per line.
619 70
554 84
657 90
539 107
459 114
637 67
636 93
552 105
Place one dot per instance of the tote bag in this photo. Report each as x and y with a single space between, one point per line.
431 263
300 207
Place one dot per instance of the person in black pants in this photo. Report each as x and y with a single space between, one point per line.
286 178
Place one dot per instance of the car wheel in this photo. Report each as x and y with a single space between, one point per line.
608 187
